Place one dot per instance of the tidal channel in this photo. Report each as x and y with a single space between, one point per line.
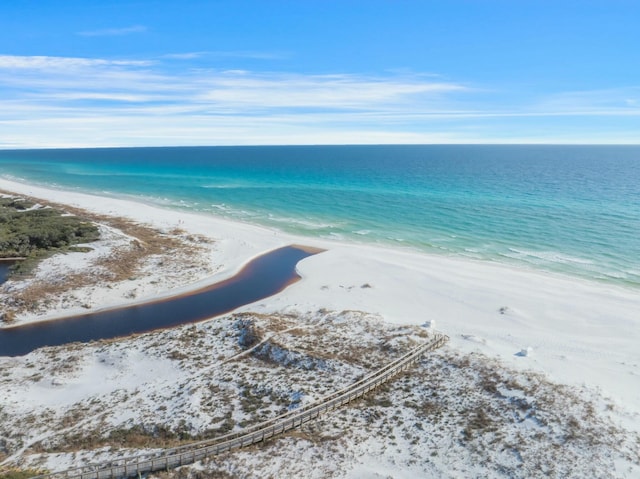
262 277
4 270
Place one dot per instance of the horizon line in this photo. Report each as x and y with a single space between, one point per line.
258 145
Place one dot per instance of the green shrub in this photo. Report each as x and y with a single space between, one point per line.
19 474
28 233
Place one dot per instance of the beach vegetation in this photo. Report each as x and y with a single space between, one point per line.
32 232
19 473
7 317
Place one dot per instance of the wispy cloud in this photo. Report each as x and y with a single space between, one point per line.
184 56
239 89
43 63
623 100
254 55
179 99
59 78
110 32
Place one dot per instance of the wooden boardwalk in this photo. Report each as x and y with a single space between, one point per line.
137 465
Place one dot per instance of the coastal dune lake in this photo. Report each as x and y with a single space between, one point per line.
262 277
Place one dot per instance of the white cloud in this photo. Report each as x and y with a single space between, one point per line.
592 102
184 56
318 91
109 32
60 78
255 55
63 63
198 130
98 96
66 101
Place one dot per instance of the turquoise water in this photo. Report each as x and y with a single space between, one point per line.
568 209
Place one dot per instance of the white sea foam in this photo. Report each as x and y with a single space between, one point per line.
305 224
220 206
546 256
227 186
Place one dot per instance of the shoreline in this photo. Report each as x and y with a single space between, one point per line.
576 331
82 201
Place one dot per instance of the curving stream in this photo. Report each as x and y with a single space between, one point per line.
262 277
4 270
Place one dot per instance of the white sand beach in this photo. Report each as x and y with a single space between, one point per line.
576 332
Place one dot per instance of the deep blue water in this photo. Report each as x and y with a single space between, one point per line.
568 209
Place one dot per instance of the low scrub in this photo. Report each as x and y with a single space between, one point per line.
27 232
19 474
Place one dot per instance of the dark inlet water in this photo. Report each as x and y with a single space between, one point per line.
4 270
262 277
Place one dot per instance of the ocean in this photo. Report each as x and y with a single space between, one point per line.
573 210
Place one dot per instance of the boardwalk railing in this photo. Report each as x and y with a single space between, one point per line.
188 454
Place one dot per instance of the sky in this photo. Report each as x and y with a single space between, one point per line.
256 72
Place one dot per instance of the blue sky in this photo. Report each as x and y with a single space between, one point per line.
142 72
